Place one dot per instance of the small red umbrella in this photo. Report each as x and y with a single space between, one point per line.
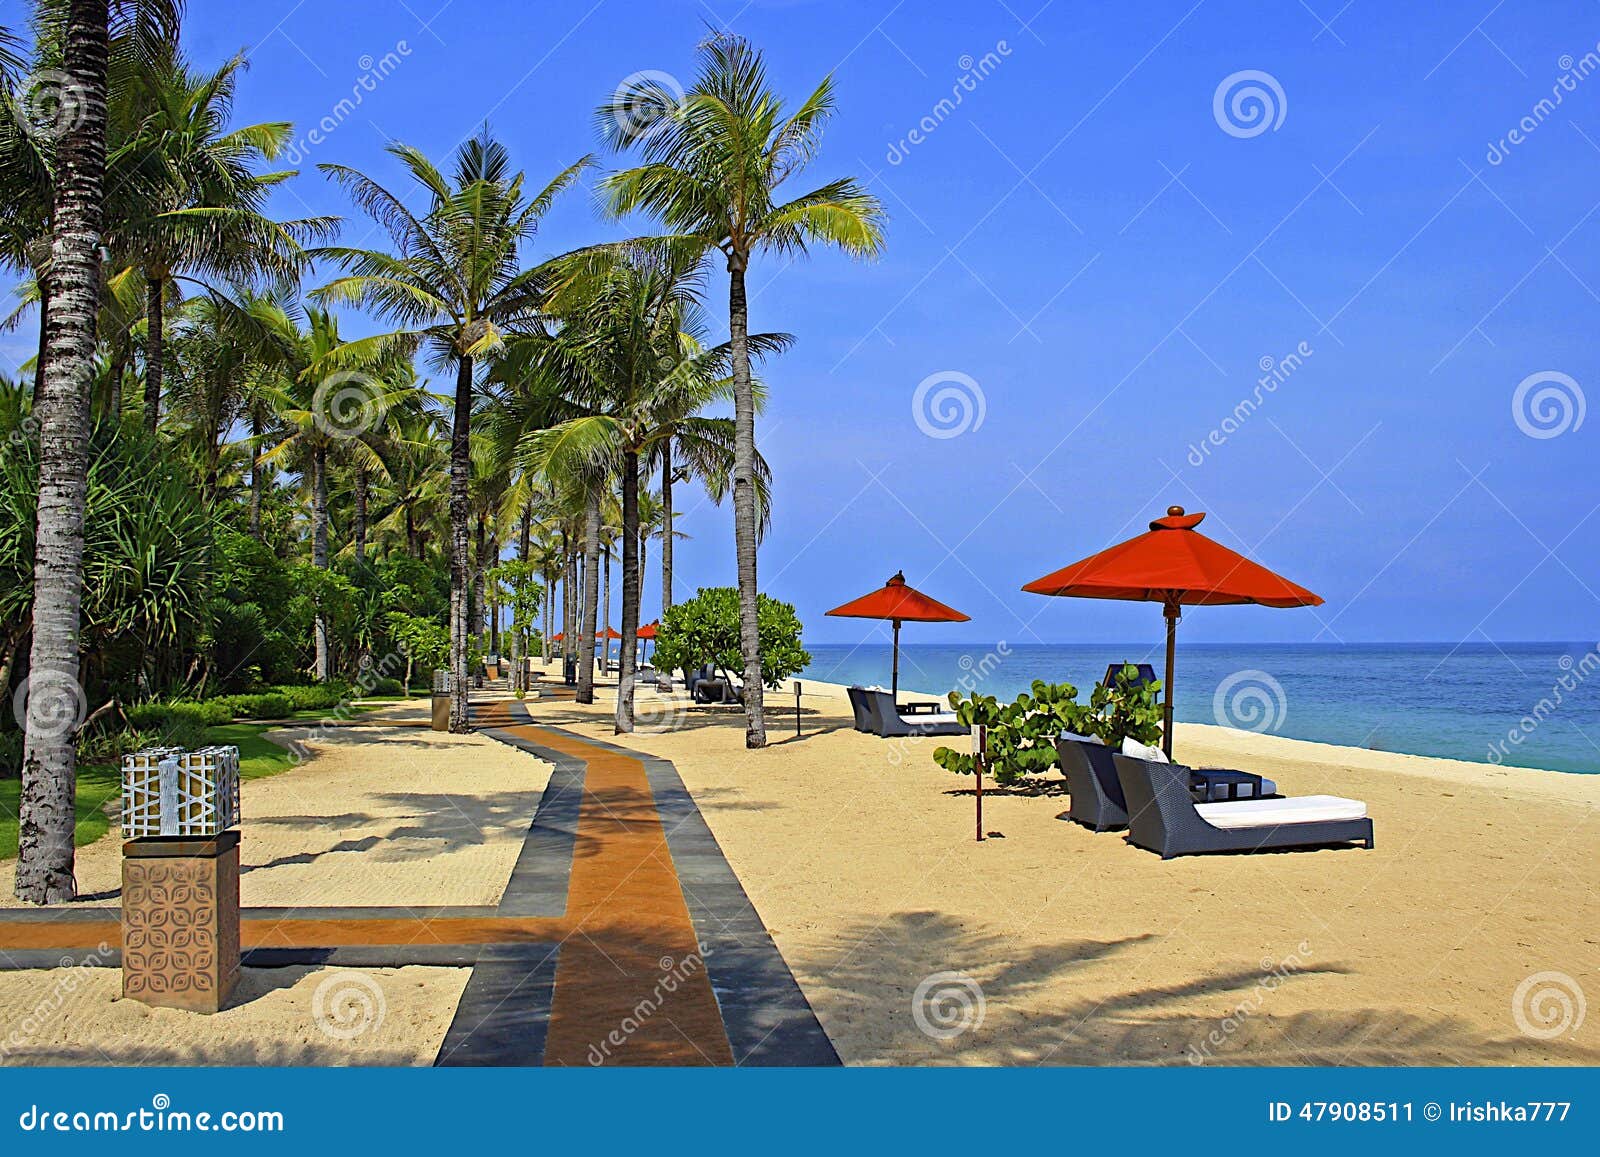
900 604
648 631
1174 565
608 633
558 636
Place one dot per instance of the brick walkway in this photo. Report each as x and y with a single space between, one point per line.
622 937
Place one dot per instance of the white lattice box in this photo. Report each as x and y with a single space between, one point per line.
167 791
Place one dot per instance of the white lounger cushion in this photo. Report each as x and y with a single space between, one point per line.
1272 813
1132 747
940 717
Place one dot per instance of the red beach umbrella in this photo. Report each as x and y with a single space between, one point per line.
899 603
648 631
608 633
1174 565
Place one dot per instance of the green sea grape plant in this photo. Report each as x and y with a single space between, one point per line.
1021 735
706 629
1125 708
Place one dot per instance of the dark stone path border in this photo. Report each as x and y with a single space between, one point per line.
764 1013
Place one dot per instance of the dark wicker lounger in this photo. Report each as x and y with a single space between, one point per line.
890 724
866 720
1162 816
1097 799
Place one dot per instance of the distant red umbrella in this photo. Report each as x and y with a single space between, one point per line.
558 636
899 603
1175 565
608 633
648 631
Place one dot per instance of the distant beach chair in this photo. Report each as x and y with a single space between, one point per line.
1164 818
893 724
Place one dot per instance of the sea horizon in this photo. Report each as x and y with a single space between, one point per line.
1522 704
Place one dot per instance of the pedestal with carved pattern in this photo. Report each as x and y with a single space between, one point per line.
180 921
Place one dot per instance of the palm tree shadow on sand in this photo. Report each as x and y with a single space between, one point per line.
865 989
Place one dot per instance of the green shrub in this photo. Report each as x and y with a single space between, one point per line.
387 687
1022 734
706 630
259 705
1124 709
160 716
315 696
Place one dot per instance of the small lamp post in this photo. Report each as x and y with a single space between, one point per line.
980 745
797 709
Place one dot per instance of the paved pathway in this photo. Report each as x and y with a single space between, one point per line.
623 936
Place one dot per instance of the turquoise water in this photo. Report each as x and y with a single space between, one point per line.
1459 702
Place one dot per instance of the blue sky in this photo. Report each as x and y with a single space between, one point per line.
1091 245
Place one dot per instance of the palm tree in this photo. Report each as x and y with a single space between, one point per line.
61 407
714 162
197 209
455 281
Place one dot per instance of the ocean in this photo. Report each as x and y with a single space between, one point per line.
1518 704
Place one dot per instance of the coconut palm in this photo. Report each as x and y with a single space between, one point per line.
714 162
196 210
84 31
457 282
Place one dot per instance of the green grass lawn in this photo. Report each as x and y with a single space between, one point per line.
100 782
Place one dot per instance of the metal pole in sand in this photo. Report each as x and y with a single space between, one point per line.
980 746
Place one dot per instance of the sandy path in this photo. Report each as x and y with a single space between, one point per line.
859 855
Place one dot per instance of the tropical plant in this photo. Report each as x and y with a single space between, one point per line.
1125 708
456 282
1021 735
714 162
706 629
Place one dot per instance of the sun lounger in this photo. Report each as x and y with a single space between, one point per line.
1097 800
1163 817
862 710
891 724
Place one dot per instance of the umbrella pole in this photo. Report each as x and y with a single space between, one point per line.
894 676
1171 612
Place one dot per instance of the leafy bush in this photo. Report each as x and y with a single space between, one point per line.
706 630
386 687
259 705
1022 734
315 696
161 716
1124 709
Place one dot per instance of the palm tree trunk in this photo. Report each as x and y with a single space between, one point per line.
490 562
479 610
360 528
605 649
591 596
119 367
744 502
666 524
461 542
41 357
257 476
153 352
319 546
630 590
61 406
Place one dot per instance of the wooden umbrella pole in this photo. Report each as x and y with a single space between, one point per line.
1172 613
894 675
